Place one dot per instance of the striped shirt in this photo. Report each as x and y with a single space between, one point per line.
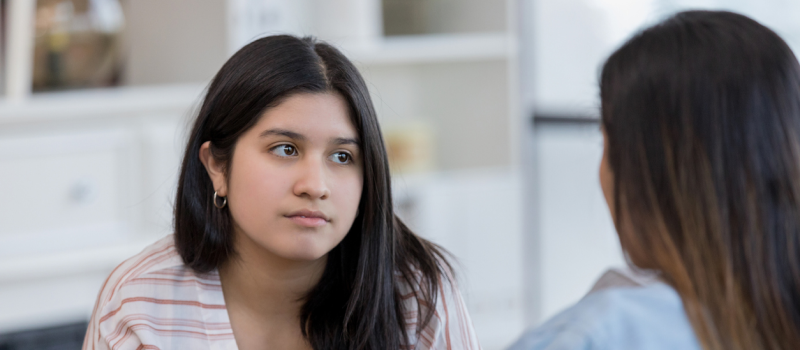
154 301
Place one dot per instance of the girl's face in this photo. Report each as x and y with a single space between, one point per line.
623 223
607 178
295 179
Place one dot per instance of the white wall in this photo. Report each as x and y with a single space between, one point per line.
477 216
576 234
572 39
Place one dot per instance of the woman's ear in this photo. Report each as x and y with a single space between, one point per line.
214 169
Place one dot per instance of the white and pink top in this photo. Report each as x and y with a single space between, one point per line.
154 301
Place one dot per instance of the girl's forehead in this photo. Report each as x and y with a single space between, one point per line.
310 114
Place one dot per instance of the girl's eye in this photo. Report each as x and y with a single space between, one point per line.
341 158
284 151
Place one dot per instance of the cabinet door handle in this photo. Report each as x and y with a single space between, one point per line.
83 191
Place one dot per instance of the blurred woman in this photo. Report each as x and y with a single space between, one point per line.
701 172
285 236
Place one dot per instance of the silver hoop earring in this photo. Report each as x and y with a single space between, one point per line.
224 201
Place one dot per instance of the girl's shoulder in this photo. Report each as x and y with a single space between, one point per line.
159 264
625 317
449 327
152 293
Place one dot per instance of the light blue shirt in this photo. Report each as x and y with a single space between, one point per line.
621 318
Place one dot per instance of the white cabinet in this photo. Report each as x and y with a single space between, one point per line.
90 178
65 190
163 143
577 238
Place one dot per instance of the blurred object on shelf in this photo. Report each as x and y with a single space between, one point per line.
357 22
353 22
403 17
411 17
78 44
252 19
410 147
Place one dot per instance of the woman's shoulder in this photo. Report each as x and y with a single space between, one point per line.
449 327
158 259
156 273
149 290
630 317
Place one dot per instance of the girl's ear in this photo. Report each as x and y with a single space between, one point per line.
214 169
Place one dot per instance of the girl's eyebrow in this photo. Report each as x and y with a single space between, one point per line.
339 141
283 132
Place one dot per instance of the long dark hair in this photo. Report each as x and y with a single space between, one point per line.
356 304
702 117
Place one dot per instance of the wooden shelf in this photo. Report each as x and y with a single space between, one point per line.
91 103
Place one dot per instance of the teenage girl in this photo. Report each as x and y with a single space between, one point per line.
285 236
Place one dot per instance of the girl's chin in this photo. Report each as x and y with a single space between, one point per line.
295 246
304 253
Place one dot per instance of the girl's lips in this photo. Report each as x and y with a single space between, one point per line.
307 221
308 218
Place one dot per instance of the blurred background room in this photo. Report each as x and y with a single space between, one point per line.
489 109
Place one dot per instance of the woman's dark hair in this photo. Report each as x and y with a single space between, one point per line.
356 304
702 118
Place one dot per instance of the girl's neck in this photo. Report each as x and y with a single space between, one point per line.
269 286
